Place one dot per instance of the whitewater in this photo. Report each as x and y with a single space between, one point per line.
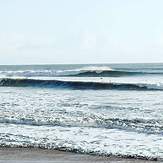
114 109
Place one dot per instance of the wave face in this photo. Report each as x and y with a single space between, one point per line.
77 84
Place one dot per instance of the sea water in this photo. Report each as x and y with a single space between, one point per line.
109 109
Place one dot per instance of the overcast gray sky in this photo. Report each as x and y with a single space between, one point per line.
80 31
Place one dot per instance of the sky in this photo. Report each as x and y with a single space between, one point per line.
80 31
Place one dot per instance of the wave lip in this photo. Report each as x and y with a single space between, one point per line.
24 82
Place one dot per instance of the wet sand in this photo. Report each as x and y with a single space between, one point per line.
32 155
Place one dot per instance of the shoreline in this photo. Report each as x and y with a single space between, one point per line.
33 155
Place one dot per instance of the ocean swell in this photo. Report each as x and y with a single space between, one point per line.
105 73
24 82
90 71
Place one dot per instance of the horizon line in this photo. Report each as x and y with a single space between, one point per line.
37 64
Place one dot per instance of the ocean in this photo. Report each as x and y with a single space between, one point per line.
100 109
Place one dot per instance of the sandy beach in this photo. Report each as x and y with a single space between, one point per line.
31 155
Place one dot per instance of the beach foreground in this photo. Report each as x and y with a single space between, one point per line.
24 155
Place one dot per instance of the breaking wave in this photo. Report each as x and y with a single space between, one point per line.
105 73
90 71
24 82
150 126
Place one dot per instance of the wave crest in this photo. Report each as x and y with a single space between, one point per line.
24 82
104 73
89 71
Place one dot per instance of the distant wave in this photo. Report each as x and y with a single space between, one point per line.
19 82
90 71
105 73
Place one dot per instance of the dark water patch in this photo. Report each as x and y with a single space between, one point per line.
80 85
